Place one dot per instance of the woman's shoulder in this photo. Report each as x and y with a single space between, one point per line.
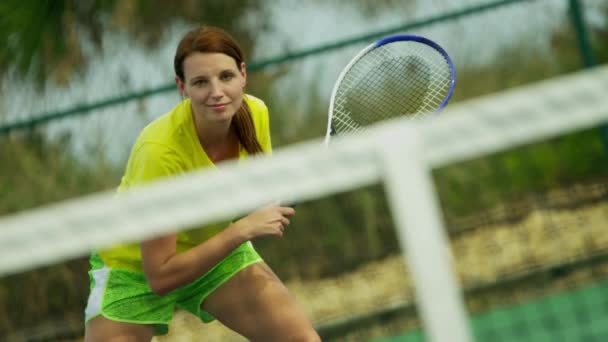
164 129
257 105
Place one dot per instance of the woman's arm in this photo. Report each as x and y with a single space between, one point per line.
167 270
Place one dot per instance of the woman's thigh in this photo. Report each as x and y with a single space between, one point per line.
103 329
256 304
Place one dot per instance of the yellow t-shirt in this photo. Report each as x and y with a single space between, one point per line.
170 146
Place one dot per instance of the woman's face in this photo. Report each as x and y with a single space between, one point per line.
214 84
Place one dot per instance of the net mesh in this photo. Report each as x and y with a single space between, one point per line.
520 178
400 78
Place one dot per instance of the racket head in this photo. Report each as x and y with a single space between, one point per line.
399 75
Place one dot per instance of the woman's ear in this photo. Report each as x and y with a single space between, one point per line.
244 73
180 86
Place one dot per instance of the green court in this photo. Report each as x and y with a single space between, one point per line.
573 316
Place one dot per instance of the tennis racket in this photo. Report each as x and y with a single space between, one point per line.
396 76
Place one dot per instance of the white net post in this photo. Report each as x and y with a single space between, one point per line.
421 233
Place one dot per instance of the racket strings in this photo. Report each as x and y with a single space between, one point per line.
404 78
345 124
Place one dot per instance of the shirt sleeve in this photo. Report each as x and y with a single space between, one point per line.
264 138
151 162
261 120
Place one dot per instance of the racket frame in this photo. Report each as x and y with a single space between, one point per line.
380 42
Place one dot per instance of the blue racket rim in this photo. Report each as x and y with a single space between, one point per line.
432 44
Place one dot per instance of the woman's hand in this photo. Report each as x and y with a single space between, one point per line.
267 221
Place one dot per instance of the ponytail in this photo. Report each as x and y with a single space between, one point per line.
245 130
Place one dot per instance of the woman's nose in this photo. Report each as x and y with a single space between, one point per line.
216 90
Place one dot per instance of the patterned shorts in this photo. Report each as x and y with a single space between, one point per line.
125 296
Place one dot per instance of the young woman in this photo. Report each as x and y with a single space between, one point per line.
214 271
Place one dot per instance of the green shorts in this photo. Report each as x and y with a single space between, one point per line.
125 296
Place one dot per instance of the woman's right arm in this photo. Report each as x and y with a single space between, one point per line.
167 270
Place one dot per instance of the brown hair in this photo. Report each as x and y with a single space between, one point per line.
213 39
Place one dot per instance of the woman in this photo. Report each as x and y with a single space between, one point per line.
213 272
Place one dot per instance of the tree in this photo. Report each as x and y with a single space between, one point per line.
44 39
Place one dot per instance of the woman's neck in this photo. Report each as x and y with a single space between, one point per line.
218 139
212 133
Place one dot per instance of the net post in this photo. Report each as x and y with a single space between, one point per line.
422 237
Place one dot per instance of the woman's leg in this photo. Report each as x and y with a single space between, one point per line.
101 329
257 305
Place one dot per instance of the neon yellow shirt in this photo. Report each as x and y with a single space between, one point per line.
170 146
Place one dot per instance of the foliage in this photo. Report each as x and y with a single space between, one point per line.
35 171
472 186
45 39
376 7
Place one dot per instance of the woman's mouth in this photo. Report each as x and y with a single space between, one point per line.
218 107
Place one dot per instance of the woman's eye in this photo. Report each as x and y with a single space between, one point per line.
200 82
227 77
